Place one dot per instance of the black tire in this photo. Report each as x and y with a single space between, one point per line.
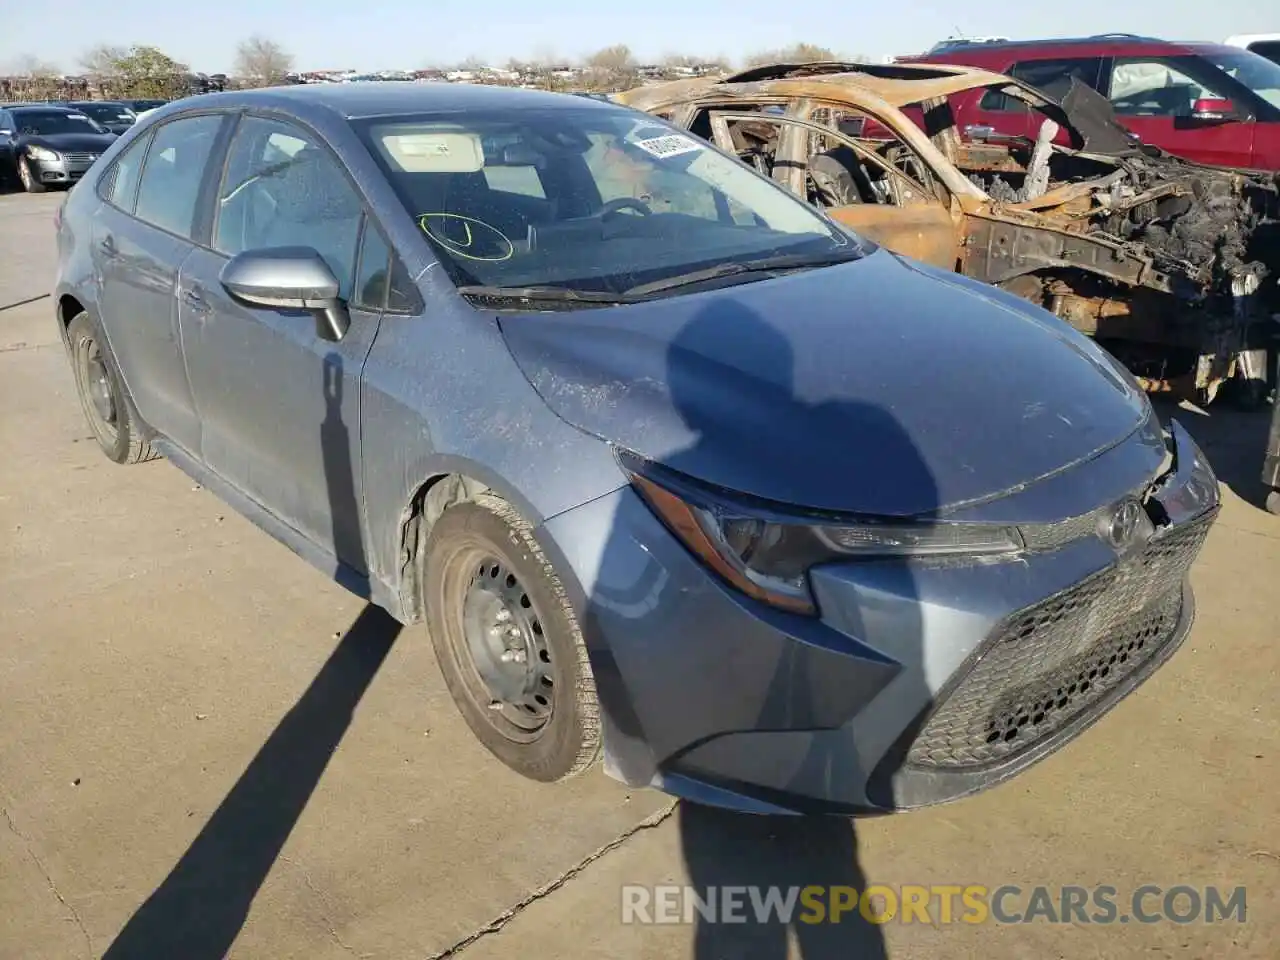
457 557
29 181
107 409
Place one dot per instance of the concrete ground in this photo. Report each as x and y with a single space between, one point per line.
206 749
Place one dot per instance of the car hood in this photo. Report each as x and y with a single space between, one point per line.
876 387
87 142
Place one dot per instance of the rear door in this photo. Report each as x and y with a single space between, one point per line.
141 236
1164 99
884 190
995 115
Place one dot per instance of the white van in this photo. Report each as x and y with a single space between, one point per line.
1263 44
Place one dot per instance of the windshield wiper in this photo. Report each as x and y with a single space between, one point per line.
546 294
740 267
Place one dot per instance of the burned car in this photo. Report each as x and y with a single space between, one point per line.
1171 265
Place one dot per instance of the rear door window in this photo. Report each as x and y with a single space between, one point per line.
173 172
1052 77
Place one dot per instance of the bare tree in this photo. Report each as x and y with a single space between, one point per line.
262 63
103 61
28 65
796 53
544 55
615 59
613 68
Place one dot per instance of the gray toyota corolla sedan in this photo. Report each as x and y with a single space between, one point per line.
678 472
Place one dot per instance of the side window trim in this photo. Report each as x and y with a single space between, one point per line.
109 177
211 184
394 267
362 250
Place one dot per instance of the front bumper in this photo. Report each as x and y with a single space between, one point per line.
918 685
68 168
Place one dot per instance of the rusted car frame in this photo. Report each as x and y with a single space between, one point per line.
1185 314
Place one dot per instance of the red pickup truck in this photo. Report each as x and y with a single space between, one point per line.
1208 102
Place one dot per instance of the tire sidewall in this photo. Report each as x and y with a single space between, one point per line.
81 328
28 179
556 751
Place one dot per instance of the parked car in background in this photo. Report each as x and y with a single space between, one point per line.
1165 262
1264 44
702 515
114 115
44 146
141 106
1208 102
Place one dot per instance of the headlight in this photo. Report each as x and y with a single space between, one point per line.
41 153
768 556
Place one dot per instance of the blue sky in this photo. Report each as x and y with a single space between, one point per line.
406 34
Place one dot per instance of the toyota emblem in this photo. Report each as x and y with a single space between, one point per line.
1127 526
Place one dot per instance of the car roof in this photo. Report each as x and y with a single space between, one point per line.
1107 41
362 99
54 107
897 84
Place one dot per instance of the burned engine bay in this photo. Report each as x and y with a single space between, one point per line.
1212 236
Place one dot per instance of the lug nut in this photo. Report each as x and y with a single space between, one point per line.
513 656
495 704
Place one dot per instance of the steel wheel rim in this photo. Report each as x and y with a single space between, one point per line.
96 384
500 642
24 172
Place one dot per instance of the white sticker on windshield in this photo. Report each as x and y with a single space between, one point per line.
670 145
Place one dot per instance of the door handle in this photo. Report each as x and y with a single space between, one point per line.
108 246
194 298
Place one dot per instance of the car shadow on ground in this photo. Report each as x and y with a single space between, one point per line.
1235 442
199 909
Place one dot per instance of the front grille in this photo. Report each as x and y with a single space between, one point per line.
80 157
1052 662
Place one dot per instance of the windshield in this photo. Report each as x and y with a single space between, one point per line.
107 112
47 123
592 199
1257 73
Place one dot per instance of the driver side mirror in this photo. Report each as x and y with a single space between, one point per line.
1214 109
289 278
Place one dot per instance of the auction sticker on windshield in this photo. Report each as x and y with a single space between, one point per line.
670 145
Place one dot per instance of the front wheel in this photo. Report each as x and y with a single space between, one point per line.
102 396
508 642
30 182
